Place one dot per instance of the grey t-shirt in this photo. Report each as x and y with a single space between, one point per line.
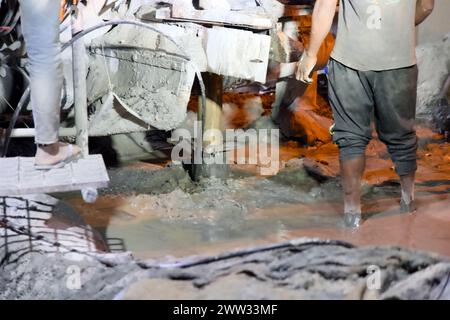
376 34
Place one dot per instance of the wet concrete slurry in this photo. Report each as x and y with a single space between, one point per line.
248 210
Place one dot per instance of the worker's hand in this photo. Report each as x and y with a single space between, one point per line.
304 67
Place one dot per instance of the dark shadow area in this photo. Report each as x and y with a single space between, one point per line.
104 146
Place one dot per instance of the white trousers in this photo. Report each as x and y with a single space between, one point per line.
40 27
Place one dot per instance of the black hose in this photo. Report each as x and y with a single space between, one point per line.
10 20
444 287
22 102
11 17
245 252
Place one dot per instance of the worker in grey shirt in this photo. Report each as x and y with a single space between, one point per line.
372 71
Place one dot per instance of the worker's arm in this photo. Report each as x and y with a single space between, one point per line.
423 10
322 19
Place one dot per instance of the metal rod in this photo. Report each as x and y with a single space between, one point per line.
79 84
29 133
212 122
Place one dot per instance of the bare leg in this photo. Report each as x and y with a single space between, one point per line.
407 203
351 174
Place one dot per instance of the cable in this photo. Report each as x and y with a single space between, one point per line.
20 105
439 296
237 254
10 19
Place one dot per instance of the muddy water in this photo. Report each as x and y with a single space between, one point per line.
219 217
428 229
252 210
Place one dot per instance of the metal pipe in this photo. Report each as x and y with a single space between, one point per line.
20 105
29 133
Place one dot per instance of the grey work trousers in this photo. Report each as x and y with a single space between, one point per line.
391 96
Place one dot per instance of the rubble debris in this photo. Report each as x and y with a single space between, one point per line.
309 270
441 113
34 268
434 68
434 278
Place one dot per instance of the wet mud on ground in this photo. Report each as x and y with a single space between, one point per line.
154 228
159 212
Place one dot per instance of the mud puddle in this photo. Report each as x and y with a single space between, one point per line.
160 212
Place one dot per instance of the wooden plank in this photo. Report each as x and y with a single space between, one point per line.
18 176
9 175
165 15
90 165
183 11
280 11
238 53
27 174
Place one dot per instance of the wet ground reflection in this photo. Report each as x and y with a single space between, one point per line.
152 231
